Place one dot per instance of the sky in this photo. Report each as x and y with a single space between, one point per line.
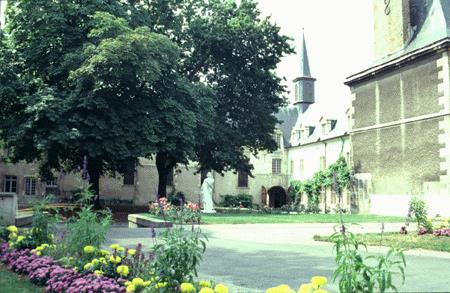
339 40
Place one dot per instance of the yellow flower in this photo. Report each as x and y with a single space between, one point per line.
123 270
87 266
12 229
131 252
114 246
131 288
137 282
12 236
147 283
115 260
161 285
221 288
187 288
320 291
127 283
98 273
89 249
38 253
95 261
318 281
20 238
305 288
44 245
204 283
206 290
104 252
280 289
120 249
75 270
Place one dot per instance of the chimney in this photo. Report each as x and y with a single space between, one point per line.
391 26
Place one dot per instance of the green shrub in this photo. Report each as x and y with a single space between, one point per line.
418 212
178 255
44 221
356 273
245 200
177 198
86 227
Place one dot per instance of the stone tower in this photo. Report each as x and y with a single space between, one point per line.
304 84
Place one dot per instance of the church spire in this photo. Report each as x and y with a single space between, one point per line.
304 61
304 84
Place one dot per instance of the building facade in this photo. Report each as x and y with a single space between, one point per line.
400 119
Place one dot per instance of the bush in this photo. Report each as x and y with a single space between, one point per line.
177 199
418 211
235 201
178 255
44 221
356 273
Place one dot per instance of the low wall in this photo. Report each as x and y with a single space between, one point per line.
8 208
398 205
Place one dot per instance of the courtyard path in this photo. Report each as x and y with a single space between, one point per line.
253 257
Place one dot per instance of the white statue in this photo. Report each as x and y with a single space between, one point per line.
207 194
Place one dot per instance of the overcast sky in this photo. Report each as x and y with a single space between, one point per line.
339 38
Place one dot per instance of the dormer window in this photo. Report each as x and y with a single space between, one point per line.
324 128
278 140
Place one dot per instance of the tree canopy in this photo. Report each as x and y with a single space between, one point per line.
112 80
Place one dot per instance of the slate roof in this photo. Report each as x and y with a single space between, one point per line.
287 116
430 23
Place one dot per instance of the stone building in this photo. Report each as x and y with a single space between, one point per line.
400 113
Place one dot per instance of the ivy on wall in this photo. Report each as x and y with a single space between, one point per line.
337 176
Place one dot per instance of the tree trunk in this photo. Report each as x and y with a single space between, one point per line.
163 166
94 167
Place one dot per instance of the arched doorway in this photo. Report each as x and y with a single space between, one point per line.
277 197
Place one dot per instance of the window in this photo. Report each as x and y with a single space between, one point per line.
323 163
276 166
51 182
170 178
292 166
278 140
302 167
128 177
10 184
296 92
242 179
30 186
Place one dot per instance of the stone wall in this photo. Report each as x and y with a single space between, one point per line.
401 128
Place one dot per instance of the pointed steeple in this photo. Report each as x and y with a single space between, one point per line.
304 61
304 84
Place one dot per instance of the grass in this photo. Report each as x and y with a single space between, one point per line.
12 282
408 241
253 218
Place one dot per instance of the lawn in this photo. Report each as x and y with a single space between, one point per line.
409 241
12 282
253 218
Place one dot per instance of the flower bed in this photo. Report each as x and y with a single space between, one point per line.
97 271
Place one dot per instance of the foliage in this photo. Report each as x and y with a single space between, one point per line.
86 228
44 221
177 199
240 200
90 93
178 254
355 273
337 175
418 211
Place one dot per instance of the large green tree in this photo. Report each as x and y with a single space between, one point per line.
176 80
233 50
90 80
